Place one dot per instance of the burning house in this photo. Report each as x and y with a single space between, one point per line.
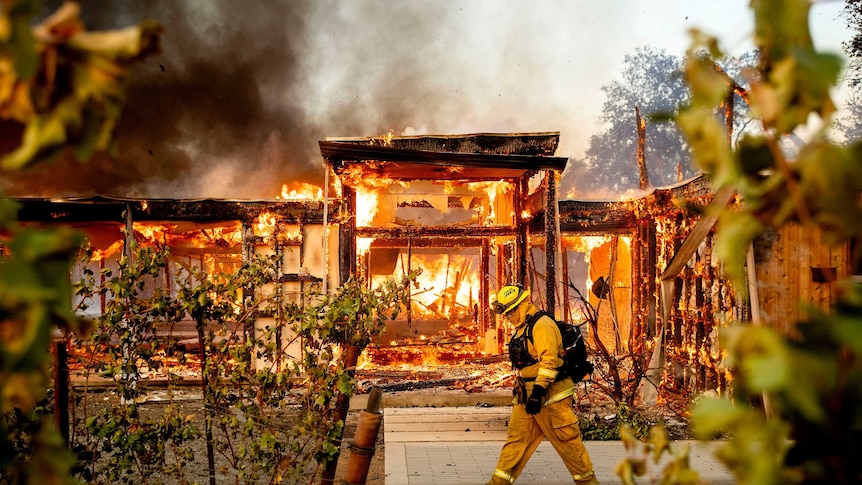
458 208
475 212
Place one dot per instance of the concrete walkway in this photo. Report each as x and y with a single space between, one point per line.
460 445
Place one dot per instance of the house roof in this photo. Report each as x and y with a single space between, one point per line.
101 208
483 156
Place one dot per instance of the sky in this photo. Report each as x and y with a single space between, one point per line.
242 92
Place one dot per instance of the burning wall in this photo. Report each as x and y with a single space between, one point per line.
629 243
215 236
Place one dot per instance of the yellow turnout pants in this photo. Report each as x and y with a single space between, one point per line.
558 423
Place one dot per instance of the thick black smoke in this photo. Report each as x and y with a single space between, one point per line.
243 90
218 113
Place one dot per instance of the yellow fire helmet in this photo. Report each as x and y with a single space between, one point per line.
510 297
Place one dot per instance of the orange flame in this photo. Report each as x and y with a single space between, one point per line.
265 225
219 236
301 191
366 207
101 255
446 286
153 232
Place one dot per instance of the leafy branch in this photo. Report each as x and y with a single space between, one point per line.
809 380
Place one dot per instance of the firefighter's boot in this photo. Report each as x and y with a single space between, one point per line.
591 480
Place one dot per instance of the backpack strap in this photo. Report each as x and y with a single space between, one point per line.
528 332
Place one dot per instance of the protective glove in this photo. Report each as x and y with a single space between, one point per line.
534 402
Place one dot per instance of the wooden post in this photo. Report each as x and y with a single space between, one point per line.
365 440
347 242
567 311
521 249
484 287
641 151
756 316
129 378
409 314
550 241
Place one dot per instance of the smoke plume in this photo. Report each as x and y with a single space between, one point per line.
234 105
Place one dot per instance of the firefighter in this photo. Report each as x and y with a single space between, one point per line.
543 405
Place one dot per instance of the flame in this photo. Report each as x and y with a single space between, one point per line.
416 358
386 138
446 286
366 207
292 236
101 255
585 244
363 244
148 235
265 225
301 191
367 191
378 197
218 236
153 232
493 191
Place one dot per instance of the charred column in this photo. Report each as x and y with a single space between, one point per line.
347 236
551 240
521 248
642 168
484 289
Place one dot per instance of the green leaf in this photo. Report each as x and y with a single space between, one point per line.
712 416
41 136
781 26
767 371
829 177
22 43
659 440
736 230
709 86
848 329
708 140
630 441
625 471
754 154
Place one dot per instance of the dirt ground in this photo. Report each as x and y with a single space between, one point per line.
191 404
